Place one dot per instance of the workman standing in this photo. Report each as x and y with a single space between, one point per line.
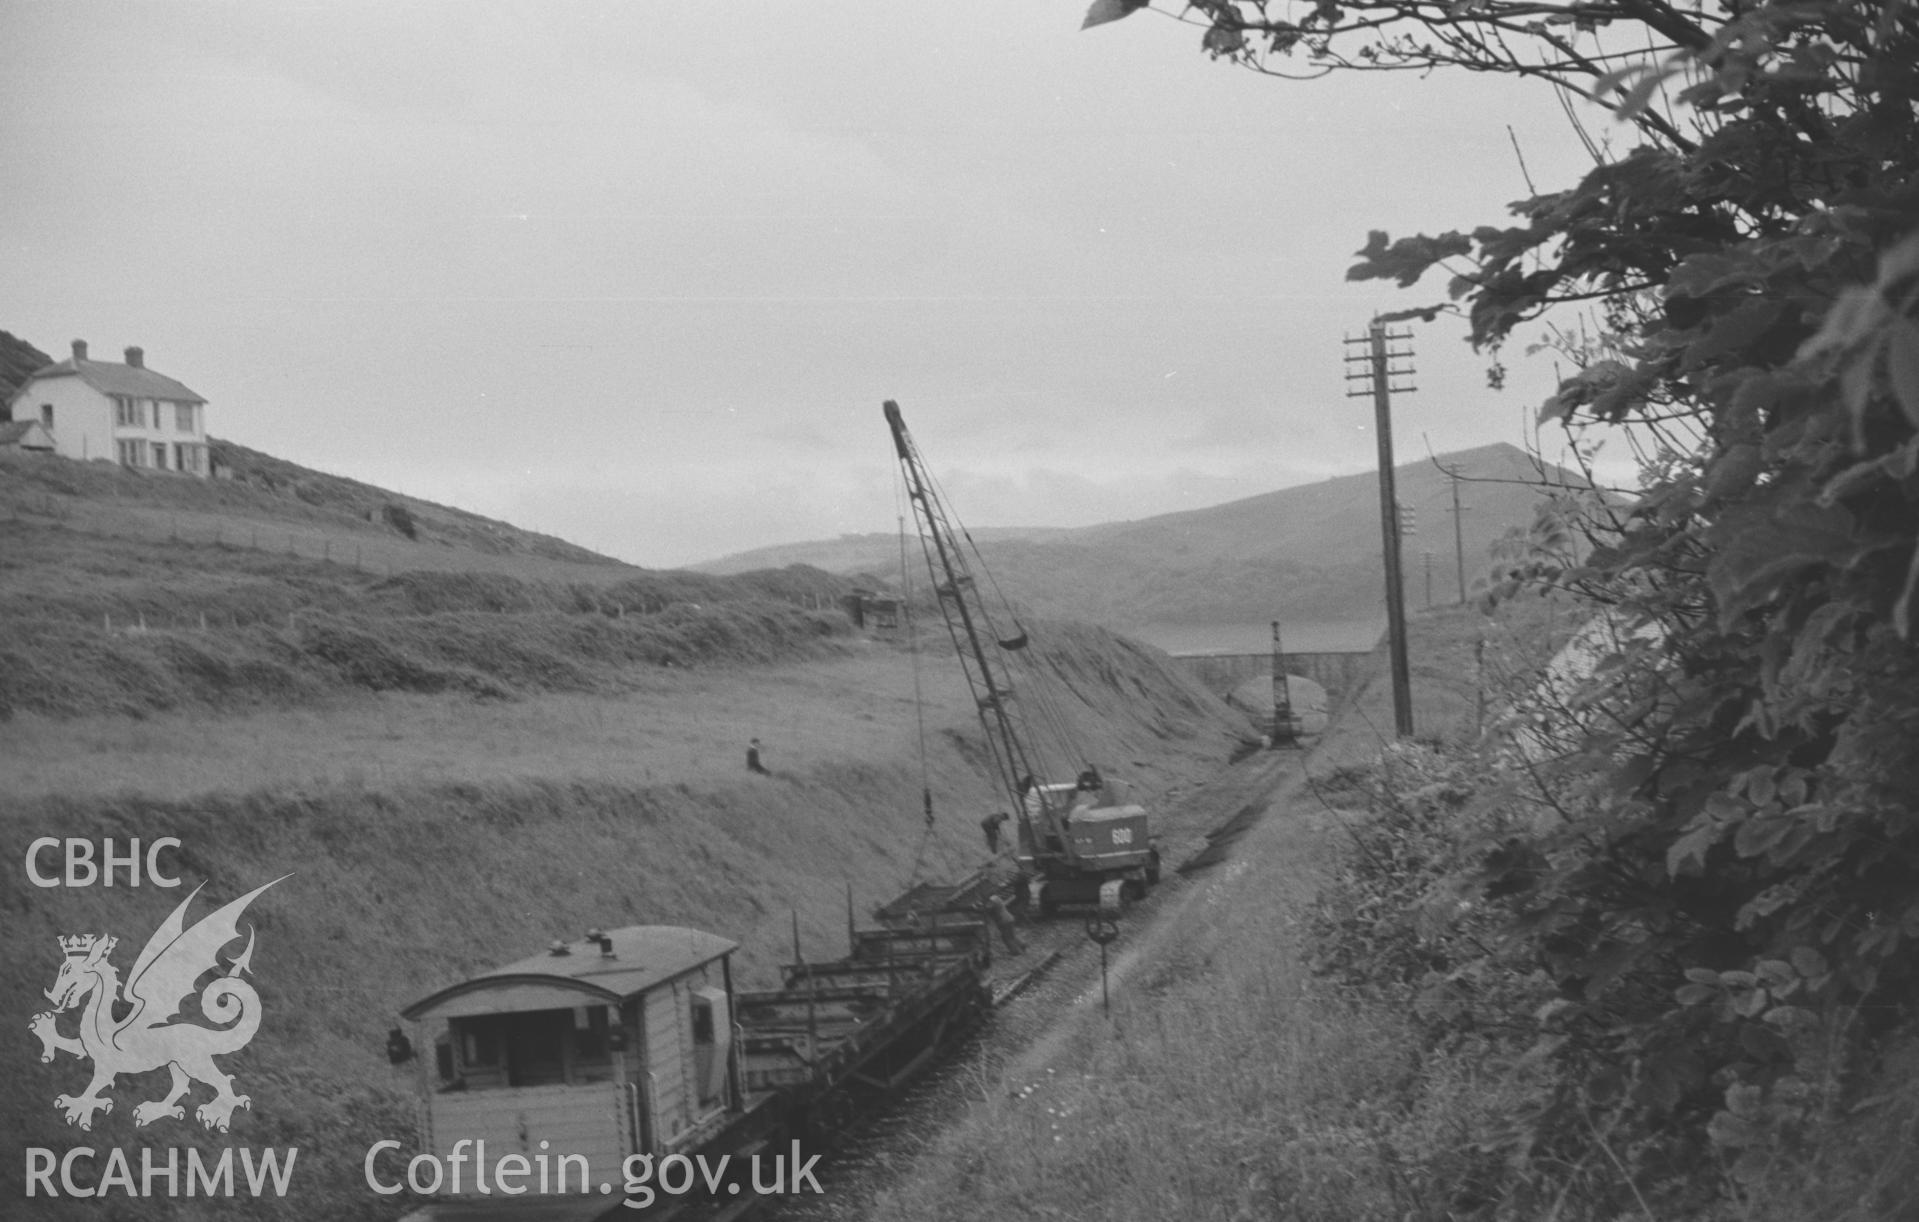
753 758
992 825
1003 918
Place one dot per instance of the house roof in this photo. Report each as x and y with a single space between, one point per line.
643 956
110 378
15 432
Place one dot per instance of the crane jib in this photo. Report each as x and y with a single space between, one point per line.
1077 841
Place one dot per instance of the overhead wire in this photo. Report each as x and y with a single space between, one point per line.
1033 700
1009 756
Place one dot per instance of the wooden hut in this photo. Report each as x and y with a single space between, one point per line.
620 1043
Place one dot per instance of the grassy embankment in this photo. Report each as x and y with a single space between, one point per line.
1224 1084
1234 1082
456 769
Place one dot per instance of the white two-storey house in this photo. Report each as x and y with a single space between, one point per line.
123 412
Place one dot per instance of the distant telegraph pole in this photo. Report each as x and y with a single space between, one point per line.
1372 369
1459 537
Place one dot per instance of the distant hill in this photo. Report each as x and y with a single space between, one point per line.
1310 552
868 553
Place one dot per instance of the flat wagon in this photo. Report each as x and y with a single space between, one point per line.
578 1066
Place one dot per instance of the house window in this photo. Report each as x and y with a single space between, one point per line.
183 417
46 415
129 453
123 412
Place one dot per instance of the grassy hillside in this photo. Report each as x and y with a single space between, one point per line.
272 506
456 765
109 605
430 837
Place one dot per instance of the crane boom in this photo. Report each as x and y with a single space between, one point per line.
1072 847
966 616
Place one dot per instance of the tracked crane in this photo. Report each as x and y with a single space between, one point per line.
1075 844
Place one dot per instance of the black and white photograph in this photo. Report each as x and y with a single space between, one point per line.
1063 610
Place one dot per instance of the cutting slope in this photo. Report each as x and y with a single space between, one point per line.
456 766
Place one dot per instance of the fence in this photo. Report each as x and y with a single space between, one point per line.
372 549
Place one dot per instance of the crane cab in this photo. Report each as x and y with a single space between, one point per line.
618 1044
1082 844
1086 826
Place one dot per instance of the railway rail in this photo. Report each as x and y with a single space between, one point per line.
635 1044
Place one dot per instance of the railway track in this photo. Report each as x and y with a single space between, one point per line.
1058 971
863 1059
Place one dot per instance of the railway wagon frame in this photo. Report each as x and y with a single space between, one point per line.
635 1041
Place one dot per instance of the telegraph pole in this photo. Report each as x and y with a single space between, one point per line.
1380 378
1459 538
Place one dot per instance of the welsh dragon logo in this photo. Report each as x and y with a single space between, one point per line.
151 1030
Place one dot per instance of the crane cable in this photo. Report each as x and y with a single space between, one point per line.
1059 731
1010 757
911 628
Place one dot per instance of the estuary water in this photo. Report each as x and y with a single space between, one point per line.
1336 636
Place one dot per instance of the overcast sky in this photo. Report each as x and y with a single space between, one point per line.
640 275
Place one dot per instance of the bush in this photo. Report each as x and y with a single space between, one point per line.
400 518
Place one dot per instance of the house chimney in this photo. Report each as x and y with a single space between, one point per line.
79 350
136 358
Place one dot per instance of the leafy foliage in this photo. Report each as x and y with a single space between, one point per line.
1721 886
19 361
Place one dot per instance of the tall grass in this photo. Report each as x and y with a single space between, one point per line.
1230 1082
1226 1082
430 836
